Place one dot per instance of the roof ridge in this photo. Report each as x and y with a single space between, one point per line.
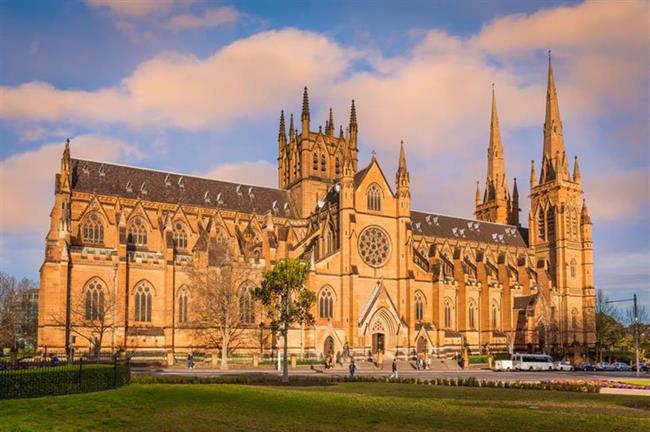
464 218
178 174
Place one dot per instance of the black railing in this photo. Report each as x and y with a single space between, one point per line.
31 378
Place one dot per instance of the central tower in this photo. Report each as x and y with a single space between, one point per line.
310 162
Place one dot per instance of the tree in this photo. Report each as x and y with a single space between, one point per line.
18 318
609 330
221 308
92 315
287 300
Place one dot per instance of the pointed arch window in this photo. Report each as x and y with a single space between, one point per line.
326 303
337 166
574 319
472 316
247 304
180 236
323 164
495 316
143 302
93 229
94 300
541 225
419 307
330 243
137 234
374 198
315 163
550 223
448 314
182 306
574 223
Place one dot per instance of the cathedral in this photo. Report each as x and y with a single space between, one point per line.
387 278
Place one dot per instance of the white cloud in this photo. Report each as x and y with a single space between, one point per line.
27 179
259 173
215 17
615 194
246 79
623 274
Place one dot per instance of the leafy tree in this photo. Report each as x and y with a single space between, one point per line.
18 318
218 308
286 299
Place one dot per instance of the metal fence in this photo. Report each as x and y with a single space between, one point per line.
31 378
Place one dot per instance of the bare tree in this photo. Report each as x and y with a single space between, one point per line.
91 316
220 309
18 318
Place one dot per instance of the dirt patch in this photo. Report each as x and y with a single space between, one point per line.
642 405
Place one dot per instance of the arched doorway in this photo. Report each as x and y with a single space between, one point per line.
378 342
328 346
421 346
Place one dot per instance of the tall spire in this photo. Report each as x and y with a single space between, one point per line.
402 176
496 171
553 139
292 130
514 211
584 216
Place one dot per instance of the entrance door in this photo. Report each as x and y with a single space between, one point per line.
328 346
422 345
377 342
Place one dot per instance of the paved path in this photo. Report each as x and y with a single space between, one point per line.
428 374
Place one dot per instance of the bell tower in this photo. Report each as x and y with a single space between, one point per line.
310 162
559 231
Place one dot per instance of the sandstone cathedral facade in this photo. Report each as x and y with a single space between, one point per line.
387 278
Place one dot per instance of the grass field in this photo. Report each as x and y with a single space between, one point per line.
340 407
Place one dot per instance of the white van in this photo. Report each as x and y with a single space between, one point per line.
502 365
530 362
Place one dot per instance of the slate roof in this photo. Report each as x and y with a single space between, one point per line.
522 302
131 182
437 225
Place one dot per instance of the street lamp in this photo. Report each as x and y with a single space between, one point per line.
636 328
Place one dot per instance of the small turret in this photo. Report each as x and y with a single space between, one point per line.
292 131
533 175
576 170
353 126
514 210
282 134
305 113
329 130
585 219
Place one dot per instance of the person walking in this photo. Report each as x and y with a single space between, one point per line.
394 368
352 368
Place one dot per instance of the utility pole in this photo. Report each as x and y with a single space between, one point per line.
635 310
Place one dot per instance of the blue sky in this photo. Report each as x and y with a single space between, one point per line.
197 87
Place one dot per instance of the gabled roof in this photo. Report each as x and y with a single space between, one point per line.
112 179
360 175
442 226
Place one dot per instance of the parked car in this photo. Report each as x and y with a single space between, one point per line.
644 367
502 365
585 366
605 367
621 366
563 366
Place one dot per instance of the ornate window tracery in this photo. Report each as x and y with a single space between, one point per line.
419 307
247 303
179 236
93 229
94 300
374 198
182 306
142 302
137 233
374 246
326 303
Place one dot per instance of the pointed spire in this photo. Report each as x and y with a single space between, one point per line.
402 176
402 157
576 170
330 123
533 175
341 132
553 140
291 128
305 105
496 172
65 159
477 197
515 191
282 132
353 117
514 205
585 219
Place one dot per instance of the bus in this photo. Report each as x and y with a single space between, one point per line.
530 362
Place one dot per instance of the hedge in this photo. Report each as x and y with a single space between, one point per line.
577 386
60 380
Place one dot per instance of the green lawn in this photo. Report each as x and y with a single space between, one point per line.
341 407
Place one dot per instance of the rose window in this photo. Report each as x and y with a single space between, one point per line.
374 246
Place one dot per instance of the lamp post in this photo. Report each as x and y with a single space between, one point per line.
636 327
